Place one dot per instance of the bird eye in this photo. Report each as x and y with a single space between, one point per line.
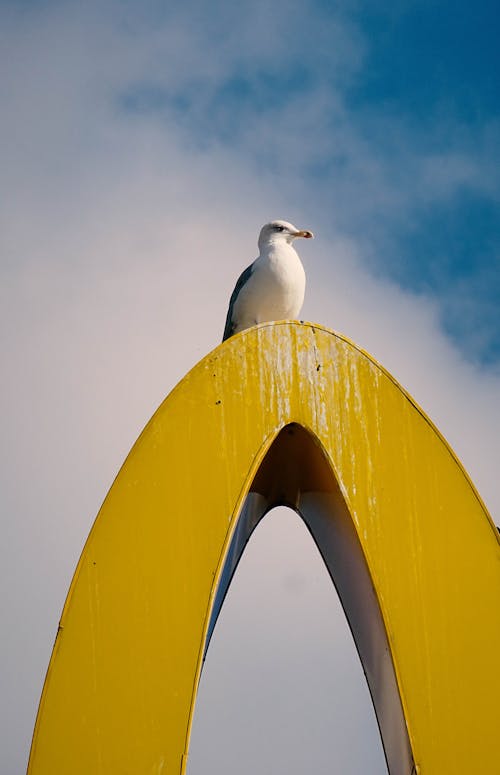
279 228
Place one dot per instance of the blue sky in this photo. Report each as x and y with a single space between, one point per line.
438 63
394 109
423 54
142 146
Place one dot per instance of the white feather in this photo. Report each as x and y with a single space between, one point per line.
273 287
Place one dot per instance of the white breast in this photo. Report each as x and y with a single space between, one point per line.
274 291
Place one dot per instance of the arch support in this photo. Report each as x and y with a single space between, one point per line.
291 414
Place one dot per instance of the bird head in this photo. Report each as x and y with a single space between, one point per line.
281 231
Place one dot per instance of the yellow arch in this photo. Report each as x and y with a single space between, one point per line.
282 413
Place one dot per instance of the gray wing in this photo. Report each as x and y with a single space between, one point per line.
230 323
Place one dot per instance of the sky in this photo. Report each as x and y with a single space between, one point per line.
142 147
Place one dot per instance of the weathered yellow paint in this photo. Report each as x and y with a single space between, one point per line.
122 680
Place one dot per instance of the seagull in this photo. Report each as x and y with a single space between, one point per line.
272 288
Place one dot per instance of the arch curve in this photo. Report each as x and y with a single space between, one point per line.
297 473
403 532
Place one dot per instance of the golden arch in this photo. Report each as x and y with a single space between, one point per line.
294 414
